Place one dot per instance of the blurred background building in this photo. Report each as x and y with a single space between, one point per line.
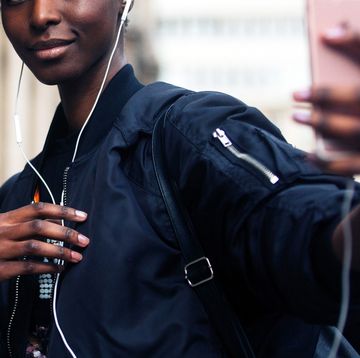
252 49
255 50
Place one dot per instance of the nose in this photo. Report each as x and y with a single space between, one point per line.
44 14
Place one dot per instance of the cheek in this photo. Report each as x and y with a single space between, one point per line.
14 30
96 34
92 21
9 24
97 14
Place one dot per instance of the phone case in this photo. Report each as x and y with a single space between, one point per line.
328 66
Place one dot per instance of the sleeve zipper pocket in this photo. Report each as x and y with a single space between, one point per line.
226 143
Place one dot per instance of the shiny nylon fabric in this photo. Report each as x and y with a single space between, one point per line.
129 298
116 303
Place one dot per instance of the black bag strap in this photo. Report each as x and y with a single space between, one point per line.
198 270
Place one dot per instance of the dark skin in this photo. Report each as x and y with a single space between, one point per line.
68 44
336 116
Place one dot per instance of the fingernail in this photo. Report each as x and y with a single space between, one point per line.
335 33
76 256
304 95
83 240
302 117
80 213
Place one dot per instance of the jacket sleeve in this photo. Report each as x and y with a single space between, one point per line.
271 237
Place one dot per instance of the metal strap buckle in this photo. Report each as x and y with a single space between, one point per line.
191 266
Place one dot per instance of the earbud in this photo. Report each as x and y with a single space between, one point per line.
126 10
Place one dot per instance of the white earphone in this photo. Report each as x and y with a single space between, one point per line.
18 134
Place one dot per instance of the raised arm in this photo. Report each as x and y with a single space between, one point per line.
336 116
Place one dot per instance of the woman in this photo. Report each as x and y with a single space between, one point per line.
124 294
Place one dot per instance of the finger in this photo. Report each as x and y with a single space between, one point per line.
43 228
340 126
58 222
338 98
344 40
10 269
42 249
347 166
43 211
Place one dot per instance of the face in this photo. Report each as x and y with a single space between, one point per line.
62 40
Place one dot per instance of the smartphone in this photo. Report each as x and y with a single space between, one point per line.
330 68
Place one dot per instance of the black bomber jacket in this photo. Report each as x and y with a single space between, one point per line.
263 215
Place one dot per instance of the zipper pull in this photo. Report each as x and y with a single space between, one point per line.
225 141
220 134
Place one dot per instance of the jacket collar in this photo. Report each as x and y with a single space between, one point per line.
132 113
120 89
118 92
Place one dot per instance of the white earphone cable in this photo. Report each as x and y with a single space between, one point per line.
19 143
345 209
19 135
346 269
122 21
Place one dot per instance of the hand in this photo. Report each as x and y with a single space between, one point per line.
336 113
20 235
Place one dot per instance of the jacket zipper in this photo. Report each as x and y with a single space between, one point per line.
8 338
63 202
64 195
17 282
226 143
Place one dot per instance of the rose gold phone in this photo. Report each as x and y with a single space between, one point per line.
329 67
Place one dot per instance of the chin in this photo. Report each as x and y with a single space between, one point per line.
54 76
48 80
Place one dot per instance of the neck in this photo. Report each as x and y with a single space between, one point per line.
78 96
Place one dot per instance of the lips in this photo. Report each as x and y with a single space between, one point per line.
49 44
50 49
